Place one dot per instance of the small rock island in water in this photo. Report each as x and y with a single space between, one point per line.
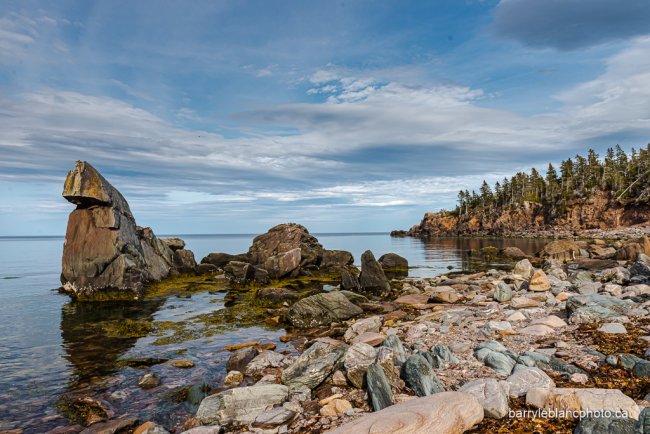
565 331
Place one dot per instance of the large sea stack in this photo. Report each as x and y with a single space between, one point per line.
105 254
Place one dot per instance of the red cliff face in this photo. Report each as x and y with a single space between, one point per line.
597 212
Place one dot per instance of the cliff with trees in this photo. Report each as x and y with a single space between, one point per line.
584 192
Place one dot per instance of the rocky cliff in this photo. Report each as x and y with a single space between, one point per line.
105 253
600 211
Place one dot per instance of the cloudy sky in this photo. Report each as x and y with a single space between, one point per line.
231 117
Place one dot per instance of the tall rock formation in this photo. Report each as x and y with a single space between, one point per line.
105 254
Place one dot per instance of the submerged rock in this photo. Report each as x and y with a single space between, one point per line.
322 309
105 254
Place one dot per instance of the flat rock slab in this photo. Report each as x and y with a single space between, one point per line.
550 321
525 378
240 405
442 413
571 399
537 330
614 328
314 365
491 393
370 338
523 302
413 299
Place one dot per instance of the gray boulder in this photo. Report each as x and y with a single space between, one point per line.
491 393
379 391
313 366
419 376
220 260
372 278
242 273
599 425
322 309
336 259
502 292
241 405
392 261
349 281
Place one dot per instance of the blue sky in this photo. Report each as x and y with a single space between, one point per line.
231 117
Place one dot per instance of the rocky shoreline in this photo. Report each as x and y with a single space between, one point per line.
565 331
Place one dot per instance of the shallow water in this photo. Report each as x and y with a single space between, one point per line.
51 347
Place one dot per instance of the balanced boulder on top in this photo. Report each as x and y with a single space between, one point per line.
104 250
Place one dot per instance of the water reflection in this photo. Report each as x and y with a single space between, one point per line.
92 350
443 254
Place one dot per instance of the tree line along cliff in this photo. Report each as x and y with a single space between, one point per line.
587 192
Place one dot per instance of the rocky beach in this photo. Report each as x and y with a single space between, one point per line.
556 341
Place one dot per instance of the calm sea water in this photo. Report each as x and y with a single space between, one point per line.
50 347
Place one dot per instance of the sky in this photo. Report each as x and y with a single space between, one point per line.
344 116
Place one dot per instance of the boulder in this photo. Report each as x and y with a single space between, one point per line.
379 390
313 366
442 413
512 252
370 324
104 251
322 309
220 260
283 264
525 378
539 282
242 273
597 307
349 281
587 399
241 405
184 261
524 269
419 376
502 292
599 425
256 368
356 361
496 356
336 259
173 243
393 261
394 343
629 252
643 424
562 250
281 239
239 359
275 296
491 393
372 278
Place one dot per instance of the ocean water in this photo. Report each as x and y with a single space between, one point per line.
50 346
